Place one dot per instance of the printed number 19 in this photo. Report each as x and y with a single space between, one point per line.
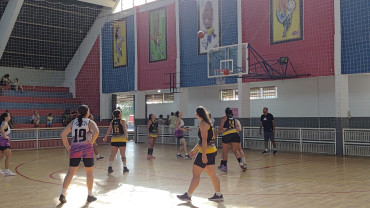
80 134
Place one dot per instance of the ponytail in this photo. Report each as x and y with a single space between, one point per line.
177 114
82 111
203 113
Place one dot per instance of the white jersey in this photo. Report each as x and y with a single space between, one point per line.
7 132
182 124
81 133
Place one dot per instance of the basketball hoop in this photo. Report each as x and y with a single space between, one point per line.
221 72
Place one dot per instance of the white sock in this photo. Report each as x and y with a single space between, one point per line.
274 148
266 150
178 153
90 192
124 163
7 170
189 194
218 193
186 153
243 160
98 155
110 163
64 191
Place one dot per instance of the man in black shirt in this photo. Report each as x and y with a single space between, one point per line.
268 123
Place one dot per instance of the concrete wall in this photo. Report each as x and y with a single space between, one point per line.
35 77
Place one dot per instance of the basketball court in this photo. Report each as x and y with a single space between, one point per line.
285 180
304 61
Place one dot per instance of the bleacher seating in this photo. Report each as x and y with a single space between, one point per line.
45 100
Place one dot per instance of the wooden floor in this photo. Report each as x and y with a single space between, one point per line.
285 180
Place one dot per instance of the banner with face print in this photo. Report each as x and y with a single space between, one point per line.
286 20
158 35
209 23
119 43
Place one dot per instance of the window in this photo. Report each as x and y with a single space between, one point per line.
127 4
257 93
229 95
160 98
263 93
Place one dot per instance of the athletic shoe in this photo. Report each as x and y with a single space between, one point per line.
91 198
1 172
100 158
179 156
265 152
187 157
110 169
219 167
9 173
148 157
125 169
62 199
274 152
152 156
224 168
216 198
184 197
243 166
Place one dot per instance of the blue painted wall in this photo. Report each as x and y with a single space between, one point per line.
193 65
120 79
355 22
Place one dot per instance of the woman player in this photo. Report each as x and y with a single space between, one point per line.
96 151
179 133
84 134
118 140
5 143
229 136
153 132
206 157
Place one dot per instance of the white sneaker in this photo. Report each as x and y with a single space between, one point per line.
1 172
9 173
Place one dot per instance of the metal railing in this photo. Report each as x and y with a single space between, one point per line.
356 142
314 140
38 135
167 135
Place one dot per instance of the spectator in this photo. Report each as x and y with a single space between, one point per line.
66 118
16 85
167 122
172 120
4 82
160 121
36 119
49 120
10 123
73 115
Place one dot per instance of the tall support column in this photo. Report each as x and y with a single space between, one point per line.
7 22
341 83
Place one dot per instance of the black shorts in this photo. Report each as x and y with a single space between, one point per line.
179 137
75 162
231 138
269 136
118 144
2 148
211 160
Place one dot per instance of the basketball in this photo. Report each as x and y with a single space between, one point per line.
200 34
226 72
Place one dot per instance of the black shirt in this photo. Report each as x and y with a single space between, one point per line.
153 127
267 122
229 123
117 127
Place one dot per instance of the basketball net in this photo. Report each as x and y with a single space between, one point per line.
220 80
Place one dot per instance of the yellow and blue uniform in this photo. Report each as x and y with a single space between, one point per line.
118 137
231 134
153 129
211 150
